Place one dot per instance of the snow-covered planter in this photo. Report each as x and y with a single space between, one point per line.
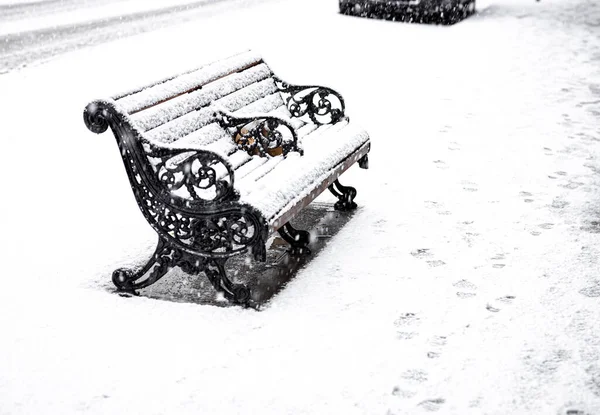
221 157
420 11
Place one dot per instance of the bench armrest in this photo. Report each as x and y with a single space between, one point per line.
260 134
188 178
322 105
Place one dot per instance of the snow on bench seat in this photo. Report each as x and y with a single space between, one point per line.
295 177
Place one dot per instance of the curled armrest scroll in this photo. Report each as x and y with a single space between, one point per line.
322 105
96 117
260 134
184 177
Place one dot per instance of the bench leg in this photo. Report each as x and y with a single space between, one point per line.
216 274
345 195
165 258
129 280
297 238
363 163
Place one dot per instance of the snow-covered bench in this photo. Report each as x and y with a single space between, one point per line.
186 138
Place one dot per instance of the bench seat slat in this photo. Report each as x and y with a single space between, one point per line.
296 176
309 139
248 182
182 126
167 90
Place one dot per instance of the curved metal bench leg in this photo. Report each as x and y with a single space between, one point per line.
345 195
216 274
129 280
297 238
363 163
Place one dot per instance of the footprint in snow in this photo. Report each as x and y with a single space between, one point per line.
424 253
491 308
462 294
440 164
466 288
571 185
410 379
559 204
436 344
430 204
527 197
453 146
415 375
469 186
593 227
545 226
507 299
421 253
592 292
432 405
405 321
469 238
498 257
403 393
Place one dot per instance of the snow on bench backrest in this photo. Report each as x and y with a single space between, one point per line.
178 107
135 101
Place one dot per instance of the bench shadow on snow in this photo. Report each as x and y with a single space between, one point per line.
264 279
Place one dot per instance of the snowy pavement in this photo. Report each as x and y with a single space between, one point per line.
33 32
466 283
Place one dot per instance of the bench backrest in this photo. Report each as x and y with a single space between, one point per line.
176 110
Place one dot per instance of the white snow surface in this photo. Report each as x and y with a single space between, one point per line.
103 9
466 283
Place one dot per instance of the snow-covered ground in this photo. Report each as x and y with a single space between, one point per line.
33 32
467 282
40 16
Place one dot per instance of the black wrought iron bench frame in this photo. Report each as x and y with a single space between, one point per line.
199 235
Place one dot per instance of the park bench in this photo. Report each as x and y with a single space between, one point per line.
185 139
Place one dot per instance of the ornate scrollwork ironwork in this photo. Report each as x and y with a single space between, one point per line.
224 233
261 135
191 177
186 195
321 104
165 258
182 177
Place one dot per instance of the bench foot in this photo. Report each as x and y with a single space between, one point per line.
345 195
216 274
165 258
297 238
129 280
363 163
